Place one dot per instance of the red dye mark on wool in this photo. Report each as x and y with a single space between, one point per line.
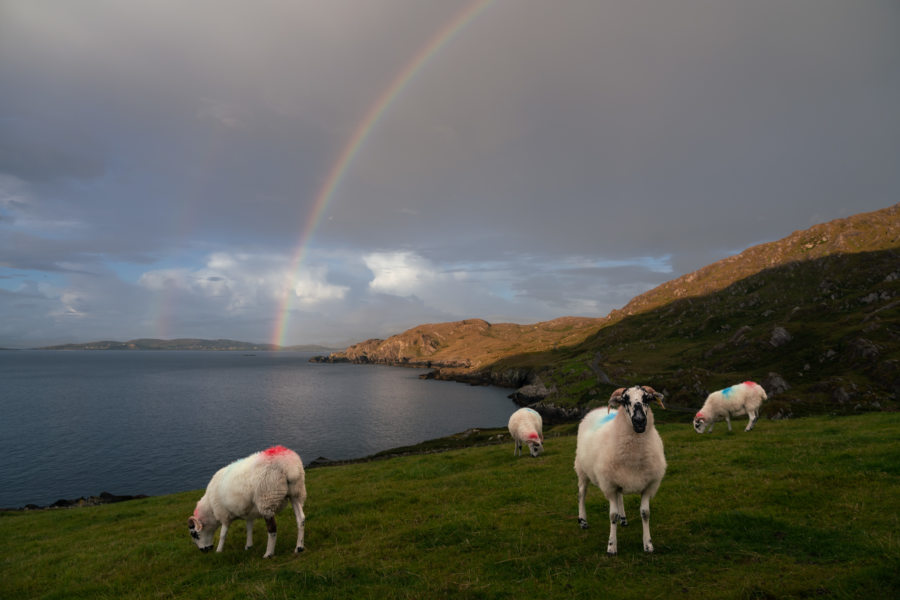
532 436
276 451
750 383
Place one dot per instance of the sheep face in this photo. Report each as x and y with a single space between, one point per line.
535 446
700 423
202 536
635 401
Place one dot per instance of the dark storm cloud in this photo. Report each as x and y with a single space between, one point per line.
548 159
643 128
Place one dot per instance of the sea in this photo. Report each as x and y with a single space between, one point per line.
78 423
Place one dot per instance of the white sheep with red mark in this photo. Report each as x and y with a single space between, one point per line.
621 452
257 486
741 399
526 427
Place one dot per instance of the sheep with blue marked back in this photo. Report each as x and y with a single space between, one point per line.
621 452
741 399
526 427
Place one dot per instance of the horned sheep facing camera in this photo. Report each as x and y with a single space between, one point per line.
621 452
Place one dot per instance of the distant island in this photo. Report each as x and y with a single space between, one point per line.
186 344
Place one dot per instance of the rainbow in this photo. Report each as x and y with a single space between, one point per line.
352 148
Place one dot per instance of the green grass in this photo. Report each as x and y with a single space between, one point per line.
795 509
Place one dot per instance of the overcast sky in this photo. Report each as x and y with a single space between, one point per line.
160 162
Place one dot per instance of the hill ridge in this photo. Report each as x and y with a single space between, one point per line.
469 348
871 231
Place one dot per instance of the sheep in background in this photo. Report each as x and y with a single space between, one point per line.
526 427
621 453
741 399
256 486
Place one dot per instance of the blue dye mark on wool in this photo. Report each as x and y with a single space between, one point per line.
726 392
532 410
601 422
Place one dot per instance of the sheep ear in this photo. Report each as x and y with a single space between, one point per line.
616 397
656 395
195 523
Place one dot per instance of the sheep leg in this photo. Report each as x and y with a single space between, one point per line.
728 420
273 531
249 534
623 521
754 415
301 522
582 492
516 449
222 535
645 520
612 546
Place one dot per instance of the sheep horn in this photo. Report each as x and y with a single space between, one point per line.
195 523
656 395
616 396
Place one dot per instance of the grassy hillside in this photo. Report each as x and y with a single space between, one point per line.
821 335
814 317
864 232
795 509
468 345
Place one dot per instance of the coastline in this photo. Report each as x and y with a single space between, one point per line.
528 389
465 439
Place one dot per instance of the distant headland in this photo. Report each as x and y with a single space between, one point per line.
186 344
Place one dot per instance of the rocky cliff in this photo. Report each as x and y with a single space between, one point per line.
462 348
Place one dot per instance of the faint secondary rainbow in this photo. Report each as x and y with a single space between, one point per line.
353 145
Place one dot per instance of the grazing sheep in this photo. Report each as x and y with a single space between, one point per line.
256 486
526 427
741 399
621 453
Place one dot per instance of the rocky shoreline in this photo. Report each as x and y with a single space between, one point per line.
103 498
529 391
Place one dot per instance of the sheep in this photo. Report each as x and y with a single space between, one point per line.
526 427
256 486
741 399
621 452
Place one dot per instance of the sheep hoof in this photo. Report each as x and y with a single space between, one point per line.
623 521
267 556
611 553
299 549
649 548
582 523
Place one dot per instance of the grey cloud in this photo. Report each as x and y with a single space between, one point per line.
152 135
46 155
660 119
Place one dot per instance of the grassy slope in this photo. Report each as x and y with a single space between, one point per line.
693 346
797 508
472 342
835 288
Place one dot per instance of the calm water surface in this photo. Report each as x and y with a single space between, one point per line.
75 423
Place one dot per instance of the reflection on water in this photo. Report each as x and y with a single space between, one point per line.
78 423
